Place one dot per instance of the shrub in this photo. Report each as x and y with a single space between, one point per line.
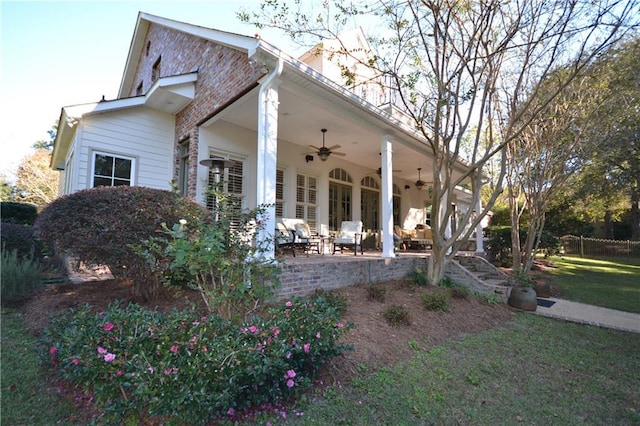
20 213
436 301
338 301
225 266
98 225
418 277
459 292
19 275
21 239
376 293
397 315
447 282
184 366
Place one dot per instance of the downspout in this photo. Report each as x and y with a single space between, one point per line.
267 153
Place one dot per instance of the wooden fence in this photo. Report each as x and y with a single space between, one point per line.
596 247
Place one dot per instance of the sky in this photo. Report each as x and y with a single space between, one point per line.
55 54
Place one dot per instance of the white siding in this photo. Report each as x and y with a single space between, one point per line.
141 133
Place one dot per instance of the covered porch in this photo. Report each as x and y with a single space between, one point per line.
314 150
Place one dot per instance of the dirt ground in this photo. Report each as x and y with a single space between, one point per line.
375 342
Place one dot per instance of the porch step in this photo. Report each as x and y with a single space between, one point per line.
481 276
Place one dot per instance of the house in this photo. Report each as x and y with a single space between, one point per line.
190 93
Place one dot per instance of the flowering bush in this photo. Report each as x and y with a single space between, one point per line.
184 366
222 261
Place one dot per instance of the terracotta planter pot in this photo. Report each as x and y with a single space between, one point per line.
525 299
543 288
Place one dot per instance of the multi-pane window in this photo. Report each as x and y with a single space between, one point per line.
339 198
369 202
183 167
397 199
307 199
112 170
279 193
231 183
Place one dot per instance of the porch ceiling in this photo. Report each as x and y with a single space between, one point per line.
304 110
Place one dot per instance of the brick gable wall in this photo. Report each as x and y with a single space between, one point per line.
223 74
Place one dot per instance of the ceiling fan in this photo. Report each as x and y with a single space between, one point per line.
324 152
420 183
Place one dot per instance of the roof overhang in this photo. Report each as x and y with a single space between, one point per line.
168 94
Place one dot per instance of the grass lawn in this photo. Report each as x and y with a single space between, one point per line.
612 283
27 397
533 371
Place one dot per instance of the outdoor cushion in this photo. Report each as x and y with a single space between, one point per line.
303 230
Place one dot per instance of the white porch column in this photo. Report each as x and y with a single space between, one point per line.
267 156
479 240
386 149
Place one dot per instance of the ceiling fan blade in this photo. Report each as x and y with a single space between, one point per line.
314 147
340 154
334 147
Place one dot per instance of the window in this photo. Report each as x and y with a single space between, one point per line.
369 203
112 170
307 199
279 193
155 70
232 184
339 198
183 167
397 205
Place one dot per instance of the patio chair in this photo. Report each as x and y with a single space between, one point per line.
303 237
307 239
350 236
284 238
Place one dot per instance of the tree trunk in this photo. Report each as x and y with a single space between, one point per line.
608 224
436 267
635 216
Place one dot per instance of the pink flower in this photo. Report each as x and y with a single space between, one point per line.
290 374
151 369
318 335
108 327
288 355
290 383
231 412
75 361
306 348
253 329
102 350
340 324
109 357
276 331
119 373
288 304
174 349
167 371
53 350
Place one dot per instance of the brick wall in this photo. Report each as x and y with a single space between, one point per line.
304 279
223 73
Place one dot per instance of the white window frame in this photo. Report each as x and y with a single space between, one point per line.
132 175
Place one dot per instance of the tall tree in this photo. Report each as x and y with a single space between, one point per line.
614 170
36 181
47 144
460 70
550 149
